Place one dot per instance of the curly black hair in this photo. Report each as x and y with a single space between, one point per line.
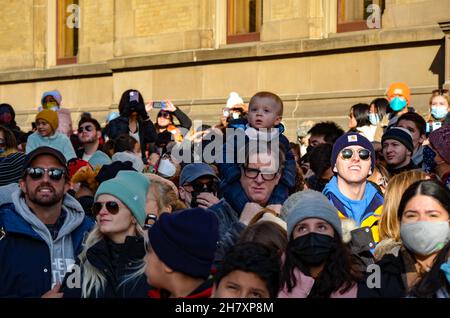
254 258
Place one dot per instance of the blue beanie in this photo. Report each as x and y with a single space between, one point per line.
352 139
131 188
309 204
186 240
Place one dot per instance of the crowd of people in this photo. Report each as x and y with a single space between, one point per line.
138 209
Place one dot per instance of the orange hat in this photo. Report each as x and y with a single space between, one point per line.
49 116
399 89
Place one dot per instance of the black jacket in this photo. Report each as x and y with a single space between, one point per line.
116 262
120 125
393 271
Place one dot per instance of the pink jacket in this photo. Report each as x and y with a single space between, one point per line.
305 284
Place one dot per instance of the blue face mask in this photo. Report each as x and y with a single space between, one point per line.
429 165
374 119
397 104
446 269
439 112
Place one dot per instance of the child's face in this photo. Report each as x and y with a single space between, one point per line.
264 113
43 128
240 284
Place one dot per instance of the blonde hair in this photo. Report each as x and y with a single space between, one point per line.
94 281
389 226
435 93
165 196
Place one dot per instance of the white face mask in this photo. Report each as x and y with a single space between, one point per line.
166 168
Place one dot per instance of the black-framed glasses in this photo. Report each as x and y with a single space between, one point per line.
111 206
253 174
87 128
347 154
37 173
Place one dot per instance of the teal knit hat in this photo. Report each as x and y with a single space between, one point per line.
131 188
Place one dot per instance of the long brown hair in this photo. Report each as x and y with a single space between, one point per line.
389 226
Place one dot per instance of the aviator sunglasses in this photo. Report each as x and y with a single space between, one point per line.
111 206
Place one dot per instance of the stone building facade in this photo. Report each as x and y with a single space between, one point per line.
180 50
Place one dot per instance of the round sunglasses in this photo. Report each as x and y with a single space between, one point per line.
111 206
363 154
37 173
87 128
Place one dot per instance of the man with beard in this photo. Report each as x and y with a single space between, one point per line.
89 134
42 230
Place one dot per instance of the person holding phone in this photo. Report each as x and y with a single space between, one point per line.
133 120
165 126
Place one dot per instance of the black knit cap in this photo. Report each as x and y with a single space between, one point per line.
400 134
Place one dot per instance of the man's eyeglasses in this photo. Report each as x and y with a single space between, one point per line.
111 206
37 173
164 115
87 128
363 154
253 174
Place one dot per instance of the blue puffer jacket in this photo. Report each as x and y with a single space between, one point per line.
25 269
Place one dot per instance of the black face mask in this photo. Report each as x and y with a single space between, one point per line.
312 249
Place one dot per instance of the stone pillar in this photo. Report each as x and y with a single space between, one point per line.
445 27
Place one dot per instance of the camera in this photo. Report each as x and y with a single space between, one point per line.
159 105
202 188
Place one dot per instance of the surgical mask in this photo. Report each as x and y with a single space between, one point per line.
166 168
429 165
397 103
374 119
446 269
439 112
424 237
312 249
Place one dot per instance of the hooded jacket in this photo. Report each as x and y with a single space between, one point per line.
365 212
31 262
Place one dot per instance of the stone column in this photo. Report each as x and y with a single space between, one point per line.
445 27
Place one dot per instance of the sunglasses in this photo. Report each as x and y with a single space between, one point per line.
85 128
37 173
165 115
111 206
363 154
253 174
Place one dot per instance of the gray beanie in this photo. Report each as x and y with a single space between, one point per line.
309 204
